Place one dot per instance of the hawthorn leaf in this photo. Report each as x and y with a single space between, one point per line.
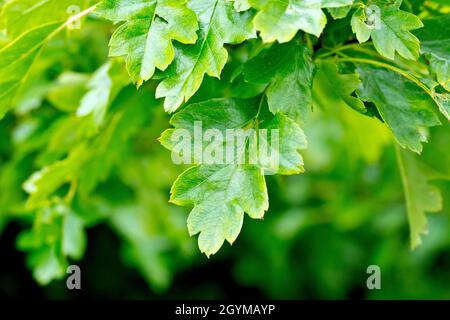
420 195
435 44
390 30
220 195
288 68
404 106
339 86
146 35
281 19
222 191
240 115
219 24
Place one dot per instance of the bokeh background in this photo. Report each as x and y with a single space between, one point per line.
323 229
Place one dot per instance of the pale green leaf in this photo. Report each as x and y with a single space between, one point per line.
147 33
281 19
219 24
220 196
103 88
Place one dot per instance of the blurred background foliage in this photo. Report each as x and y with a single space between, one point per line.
323 229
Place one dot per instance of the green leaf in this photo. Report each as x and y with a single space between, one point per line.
20 16
222 192
281 19
46 181
404 106
57 234
241 5
18 56
234 114
435 44
443 101
68 90
220 196
420 195
103 87
339 13
219 24
339 86
289 70
389 29
148 32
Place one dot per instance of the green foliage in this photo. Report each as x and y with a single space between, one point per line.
79 129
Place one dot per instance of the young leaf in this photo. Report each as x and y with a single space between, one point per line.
389 29
404 106
219 24
289 70
281 19
148 32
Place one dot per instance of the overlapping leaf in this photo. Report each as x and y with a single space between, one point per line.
435 43
288 68
404 106
221 192
219 24
148 31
